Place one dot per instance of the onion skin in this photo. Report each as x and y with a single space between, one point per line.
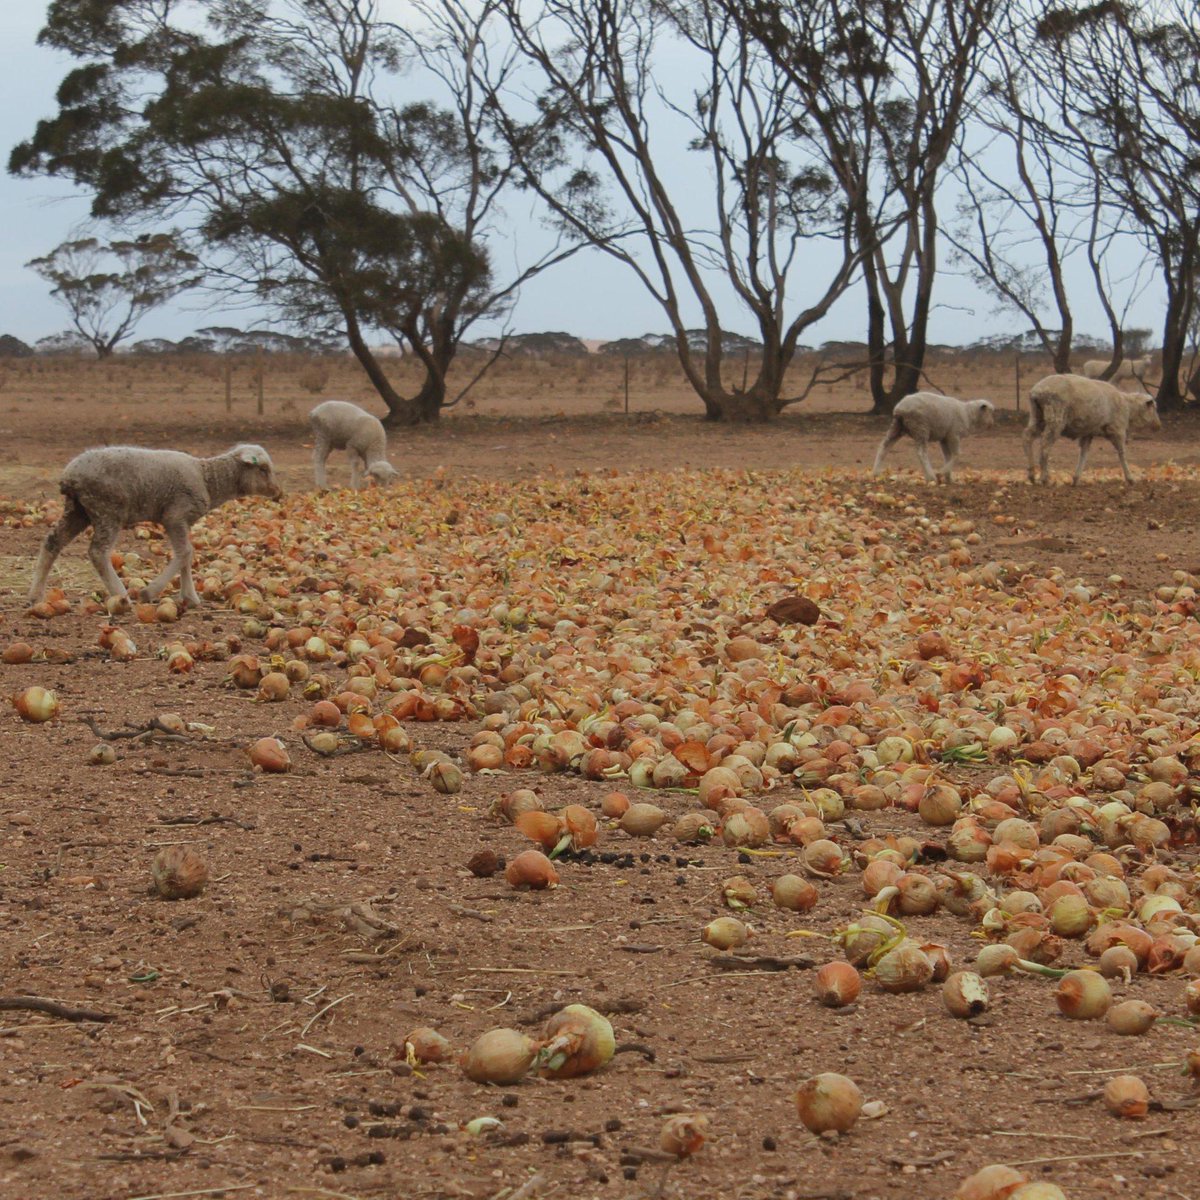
500 1056
683 1134
829 1102
1127 1097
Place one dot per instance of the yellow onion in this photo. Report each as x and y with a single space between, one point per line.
793 893
425 1045
683 1134
829 1102
1131 1017
642 820
1083 995
36 704
865 936
445 777
578 1041
1191 996
918 894
904 968
1127 1097
541 827
17 652
823 857
500 1056
695 827
749 827
615 805
880 873
837 984
179 873
270 754
273 687
102 755
997 1182
940 804
531 869
1118 962
965 994
1070 916
725 933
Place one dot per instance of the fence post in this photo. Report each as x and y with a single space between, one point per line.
228 383
1017 378
260 383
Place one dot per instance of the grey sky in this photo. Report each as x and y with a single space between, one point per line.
590 296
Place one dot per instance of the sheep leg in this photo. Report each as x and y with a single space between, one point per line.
181 564
1032 432
358 465
893 435
922 448
321 450
950 445
104 538
1118 444
1049 436
70 525
1085 444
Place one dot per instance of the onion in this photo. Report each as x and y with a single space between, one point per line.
683 1134
695 827
793 893
823 857
325 712
614 805
1070 916
178 873
940 804
102 755
1126 1096
1191 996
749 827
838 984
17 652
531 869
996 1182
445 777
273 687
1038 1190
499 1056
880 873
270 754
918 894
725 933
1118 962
1083 995
541 827
904 968
865 936
829 1102
965 994
1132 1017
578 1041
642 820
36 704
425 1045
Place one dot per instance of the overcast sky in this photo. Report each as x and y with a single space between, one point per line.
590 296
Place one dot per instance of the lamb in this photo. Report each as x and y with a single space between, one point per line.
929 417
1128 368
1075 407
339 425
114 487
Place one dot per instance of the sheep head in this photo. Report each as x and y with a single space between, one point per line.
1145 410
383 472
256 476
983 414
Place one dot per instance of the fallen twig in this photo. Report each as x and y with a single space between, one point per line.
54 1009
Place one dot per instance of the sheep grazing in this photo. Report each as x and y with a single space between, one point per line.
339 425
1128 368
928 417
1075 407
115 487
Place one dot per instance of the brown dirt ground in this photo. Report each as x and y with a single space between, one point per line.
291 1097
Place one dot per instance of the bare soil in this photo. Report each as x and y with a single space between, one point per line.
254 1046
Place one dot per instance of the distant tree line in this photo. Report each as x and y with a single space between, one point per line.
832 144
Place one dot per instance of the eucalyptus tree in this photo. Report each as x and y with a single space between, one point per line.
659 134
883 88
271 128
108 286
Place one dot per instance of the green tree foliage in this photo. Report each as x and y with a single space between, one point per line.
107 287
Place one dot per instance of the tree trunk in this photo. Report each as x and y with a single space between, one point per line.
398 407
1170 395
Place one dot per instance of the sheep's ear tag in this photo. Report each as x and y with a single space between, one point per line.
250 458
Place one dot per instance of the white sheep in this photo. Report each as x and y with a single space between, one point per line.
1128 368
1075 407
339 425
929 417
114 487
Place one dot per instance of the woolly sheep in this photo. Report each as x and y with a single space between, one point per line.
114 487
928 417
1128 368
1075 407
339 425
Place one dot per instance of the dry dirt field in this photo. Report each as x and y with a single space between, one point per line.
253 1036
